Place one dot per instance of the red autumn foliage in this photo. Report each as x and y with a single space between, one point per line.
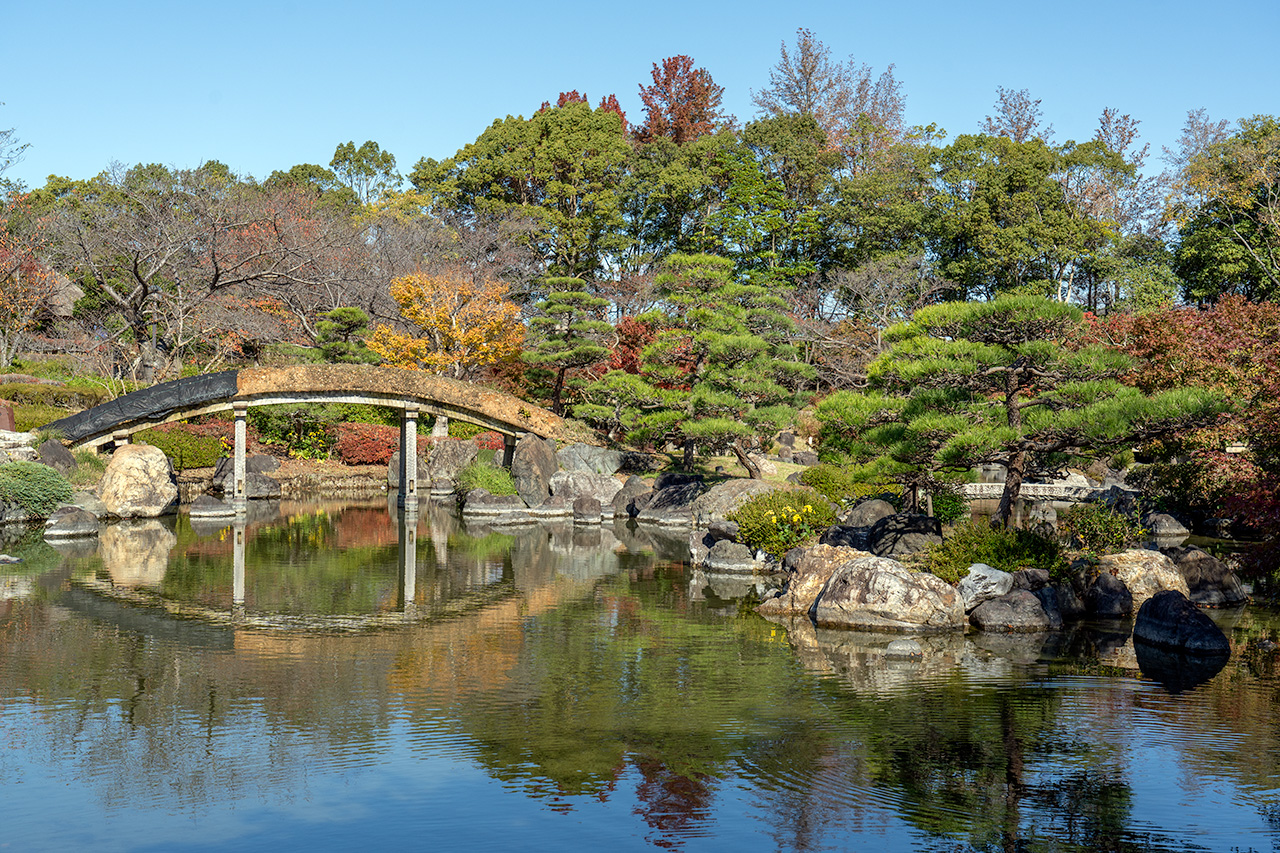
633 337
682 104
366 444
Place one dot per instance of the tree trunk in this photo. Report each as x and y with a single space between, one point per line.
1012 487
753 470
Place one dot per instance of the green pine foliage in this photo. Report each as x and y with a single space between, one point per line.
567 335
341 335
36 488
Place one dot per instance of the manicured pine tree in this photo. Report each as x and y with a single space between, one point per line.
567 333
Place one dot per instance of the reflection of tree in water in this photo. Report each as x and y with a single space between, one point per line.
672 803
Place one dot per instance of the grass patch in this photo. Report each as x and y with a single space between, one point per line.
1007 550
482 475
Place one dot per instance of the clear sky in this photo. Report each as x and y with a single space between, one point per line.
266 85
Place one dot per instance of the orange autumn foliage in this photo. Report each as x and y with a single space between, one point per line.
461 324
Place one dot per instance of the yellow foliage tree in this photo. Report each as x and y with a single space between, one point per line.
462 324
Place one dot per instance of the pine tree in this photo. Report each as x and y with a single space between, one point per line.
568 334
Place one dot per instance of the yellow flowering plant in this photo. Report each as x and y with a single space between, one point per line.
778 521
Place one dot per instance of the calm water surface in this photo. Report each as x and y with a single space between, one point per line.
351 682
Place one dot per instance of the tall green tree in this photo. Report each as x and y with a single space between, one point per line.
367 171
966 383
720 374
561 166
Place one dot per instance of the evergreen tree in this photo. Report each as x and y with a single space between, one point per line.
567 333
341 337
999 382
719 375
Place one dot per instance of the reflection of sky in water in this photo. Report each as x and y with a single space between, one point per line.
598 700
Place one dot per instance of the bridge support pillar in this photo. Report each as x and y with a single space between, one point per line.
408 497
508 450
119 439
239 494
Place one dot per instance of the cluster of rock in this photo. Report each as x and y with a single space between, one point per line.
836 586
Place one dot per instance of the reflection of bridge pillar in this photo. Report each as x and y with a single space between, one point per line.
409 561
237 567
409 458
239 495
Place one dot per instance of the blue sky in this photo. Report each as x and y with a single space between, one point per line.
267 85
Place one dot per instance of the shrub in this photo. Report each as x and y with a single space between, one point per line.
1007 550
481 475
89 467
36 488
949 507
304 430
778 521
842 485
1098 529
188 445
365 443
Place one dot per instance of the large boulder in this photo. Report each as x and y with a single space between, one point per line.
1210 582
812 569
844 536
981 584
877 594
587 459
1019 611
1144 573
583 484
1164 526
722 499
672 506
625 501
1107 597
1169 619
586 510
139 483
903 534
257 486
532 464
867 513
481 505
394 469
445 460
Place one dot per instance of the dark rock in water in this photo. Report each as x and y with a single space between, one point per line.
1108 597
207 506
1177 671
903 534
1069 604
1163 524
256 486
844 536
628 501
1209 580
1018 611
1169 619
68 522
728 557
1049 601
672 505
532 464
586 510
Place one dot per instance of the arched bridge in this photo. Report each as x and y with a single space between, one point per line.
411 391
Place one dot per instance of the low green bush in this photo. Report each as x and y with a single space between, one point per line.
482 475
1007 550
36 488
89 467
778 521
1097 529
949 507
187 445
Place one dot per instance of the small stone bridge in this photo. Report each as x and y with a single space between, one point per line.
410 391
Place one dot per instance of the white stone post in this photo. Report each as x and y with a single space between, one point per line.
239 494
409 459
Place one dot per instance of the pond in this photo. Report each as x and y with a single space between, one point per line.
327 677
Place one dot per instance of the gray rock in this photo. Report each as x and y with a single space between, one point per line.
1018 611
586 510
673 505
1048 597
139 483
89 502
575 484
1210 582
207 506
586 459
722 499
718 530
1108 597
445 460
667 479
624 502
480 504
903 534
787 438
1070 605
904 649
877 594
867 513
1162 524
57 457
556 506
261 463
1030 579
69 522
804 457
257 486
532 464
728 557
1170 620
1144 573
700 542
393 471
17 446
844 536
982 584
